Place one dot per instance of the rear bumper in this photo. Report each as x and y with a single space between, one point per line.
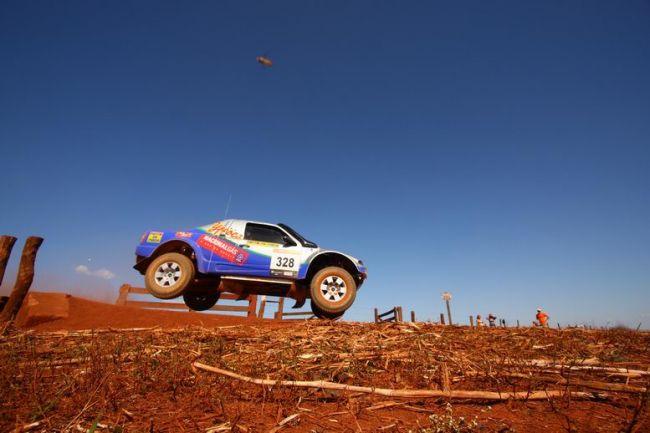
144 250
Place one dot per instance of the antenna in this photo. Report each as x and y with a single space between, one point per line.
227 206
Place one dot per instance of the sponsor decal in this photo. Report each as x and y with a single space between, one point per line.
220 229
183 234
263 244
155 237
223 249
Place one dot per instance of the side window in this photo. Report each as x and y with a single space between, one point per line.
262 233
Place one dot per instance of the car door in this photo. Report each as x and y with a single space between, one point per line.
219 245
273 252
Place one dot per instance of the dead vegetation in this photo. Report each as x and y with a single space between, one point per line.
317 376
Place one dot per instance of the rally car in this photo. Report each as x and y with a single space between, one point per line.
247 257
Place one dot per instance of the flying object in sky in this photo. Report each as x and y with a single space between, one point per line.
264 61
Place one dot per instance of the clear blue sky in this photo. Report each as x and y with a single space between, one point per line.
498 150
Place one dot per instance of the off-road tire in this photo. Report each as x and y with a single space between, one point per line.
200 300
168 275
332 290
322 315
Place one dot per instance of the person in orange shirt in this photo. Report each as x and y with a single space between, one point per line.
542 318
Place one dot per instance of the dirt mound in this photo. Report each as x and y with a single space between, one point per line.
61 311
40 308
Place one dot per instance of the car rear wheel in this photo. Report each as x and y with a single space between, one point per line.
200 300
332 290
169 275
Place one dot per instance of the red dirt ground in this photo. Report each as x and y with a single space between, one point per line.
43 312
205 400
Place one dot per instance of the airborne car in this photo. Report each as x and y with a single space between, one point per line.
247 257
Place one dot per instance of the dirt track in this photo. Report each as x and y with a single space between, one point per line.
41 309
144 380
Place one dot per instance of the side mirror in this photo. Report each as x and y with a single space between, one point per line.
288 242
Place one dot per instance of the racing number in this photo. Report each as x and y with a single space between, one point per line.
284 262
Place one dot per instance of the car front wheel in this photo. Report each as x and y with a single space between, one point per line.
169 275
323 315
332 291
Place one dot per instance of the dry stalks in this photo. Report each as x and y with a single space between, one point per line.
144 380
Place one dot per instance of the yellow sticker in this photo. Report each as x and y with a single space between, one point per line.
263 244
155 237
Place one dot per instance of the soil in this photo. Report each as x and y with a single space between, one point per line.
42 312
63 377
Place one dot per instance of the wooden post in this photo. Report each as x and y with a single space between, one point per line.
398 314
24 280
449 312
442 319
124 294
6 245
252 306
412 316
262 307
517 323
279 313
376 316
471 321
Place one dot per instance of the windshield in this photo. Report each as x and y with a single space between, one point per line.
295 234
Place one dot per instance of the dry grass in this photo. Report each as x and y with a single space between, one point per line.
144 381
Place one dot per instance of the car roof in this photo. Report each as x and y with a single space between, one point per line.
240 221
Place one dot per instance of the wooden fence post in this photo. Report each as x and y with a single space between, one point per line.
398 314
471 321
279 313
262 307
448 311
124 294
6 245
442 319
412 316
252 306
24 280
376 316
517 323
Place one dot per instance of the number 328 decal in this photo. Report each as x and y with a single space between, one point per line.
285 263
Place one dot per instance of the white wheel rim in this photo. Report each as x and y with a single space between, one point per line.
333 289
168 274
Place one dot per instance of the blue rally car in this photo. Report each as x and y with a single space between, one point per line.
247 257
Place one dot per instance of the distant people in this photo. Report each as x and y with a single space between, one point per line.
491 320
479 322
542 318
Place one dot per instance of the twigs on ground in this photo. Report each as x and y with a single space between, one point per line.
403 393
69 378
